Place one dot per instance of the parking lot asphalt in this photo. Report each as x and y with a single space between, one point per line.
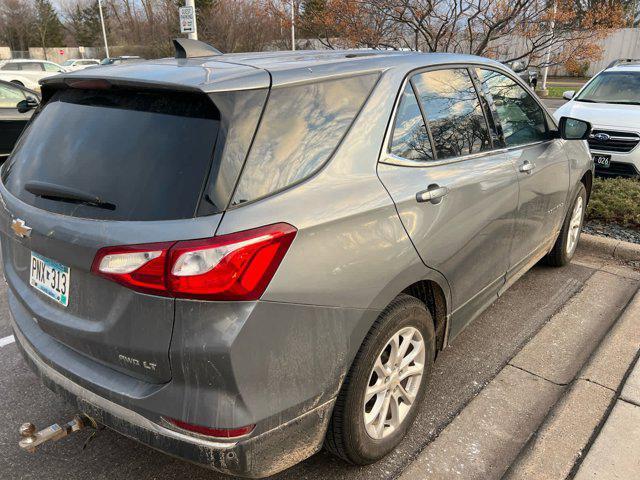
462 370
553 104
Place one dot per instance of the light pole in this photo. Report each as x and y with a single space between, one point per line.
293 25
104 30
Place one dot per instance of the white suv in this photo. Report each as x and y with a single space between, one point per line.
610 101
28 73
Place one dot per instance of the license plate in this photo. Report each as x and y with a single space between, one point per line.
50 278
602 161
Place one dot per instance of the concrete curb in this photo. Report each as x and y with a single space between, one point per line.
488 435
561 443
604 246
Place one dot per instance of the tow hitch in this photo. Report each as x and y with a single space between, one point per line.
32 439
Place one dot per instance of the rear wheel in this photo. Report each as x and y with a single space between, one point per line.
567 241
17 82
381 394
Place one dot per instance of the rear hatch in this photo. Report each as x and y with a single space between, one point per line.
104 165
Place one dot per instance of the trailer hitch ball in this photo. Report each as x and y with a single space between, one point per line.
27 431
31 439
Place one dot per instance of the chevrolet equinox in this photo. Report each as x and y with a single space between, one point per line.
237 259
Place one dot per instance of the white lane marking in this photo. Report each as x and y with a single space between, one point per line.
7 341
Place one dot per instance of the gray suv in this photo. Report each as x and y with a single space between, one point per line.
237 259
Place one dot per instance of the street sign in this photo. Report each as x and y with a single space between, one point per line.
187 19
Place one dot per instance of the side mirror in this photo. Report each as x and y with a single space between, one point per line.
568 95
25 105
574 129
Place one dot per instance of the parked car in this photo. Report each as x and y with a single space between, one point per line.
528 74
28 73
122 59
12 120
272 253
611 102
74 64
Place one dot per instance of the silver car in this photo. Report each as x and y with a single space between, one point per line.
237 259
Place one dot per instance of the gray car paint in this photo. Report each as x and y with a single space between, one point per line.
281 358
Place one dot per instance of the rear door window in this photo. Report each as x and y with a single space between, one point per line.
144 155
521 117
31 66
410 137
454 113
301 127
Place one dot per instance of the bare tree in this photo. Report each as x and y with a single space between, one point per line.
16 18
479 27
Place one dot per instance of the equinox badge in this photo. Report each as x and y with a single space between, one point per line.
20 228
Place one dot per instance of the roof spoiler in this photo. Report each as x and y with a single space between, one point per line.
188 48
623 60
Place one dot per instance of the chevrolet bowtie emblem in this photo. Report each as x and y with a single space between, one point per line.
20 228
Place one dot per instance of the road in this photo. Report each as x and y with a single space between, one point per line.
553 104
461 371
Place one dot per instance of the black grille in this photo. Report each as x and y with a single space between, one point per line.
617 169
620 142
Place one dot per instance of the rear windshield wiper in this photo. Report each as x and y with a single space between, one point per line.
51 191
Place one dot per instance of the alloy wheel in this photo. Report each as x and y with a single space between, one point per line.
575 224
394 383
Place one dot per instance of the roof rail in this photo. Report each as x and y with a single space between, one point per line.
188 48
623 60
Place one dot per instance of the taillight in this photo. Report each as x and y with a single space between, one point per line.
140 267
238 266
212 432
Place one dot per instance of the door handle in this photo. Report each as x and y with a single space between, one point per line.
432 194
527 167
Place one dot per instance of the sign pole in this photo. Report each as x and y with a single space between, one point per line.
547 56
293 25
188 20
104 30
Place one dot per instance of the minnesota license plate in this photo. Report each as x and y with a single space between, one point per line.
50 278
602 161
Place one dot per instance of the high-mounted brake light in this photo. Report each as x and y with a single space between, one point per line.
89 84
238 266
212 432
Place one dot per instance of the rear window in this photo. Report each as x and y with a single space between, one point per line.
124 155
301 127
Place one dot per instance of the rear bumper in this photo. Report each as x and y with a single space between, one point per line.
259 456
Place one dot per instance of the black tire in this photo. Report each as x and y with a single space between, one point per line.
17 82
346 436
559 256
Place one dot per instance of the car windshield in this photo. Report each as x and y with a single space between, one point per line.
68 63
613 87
